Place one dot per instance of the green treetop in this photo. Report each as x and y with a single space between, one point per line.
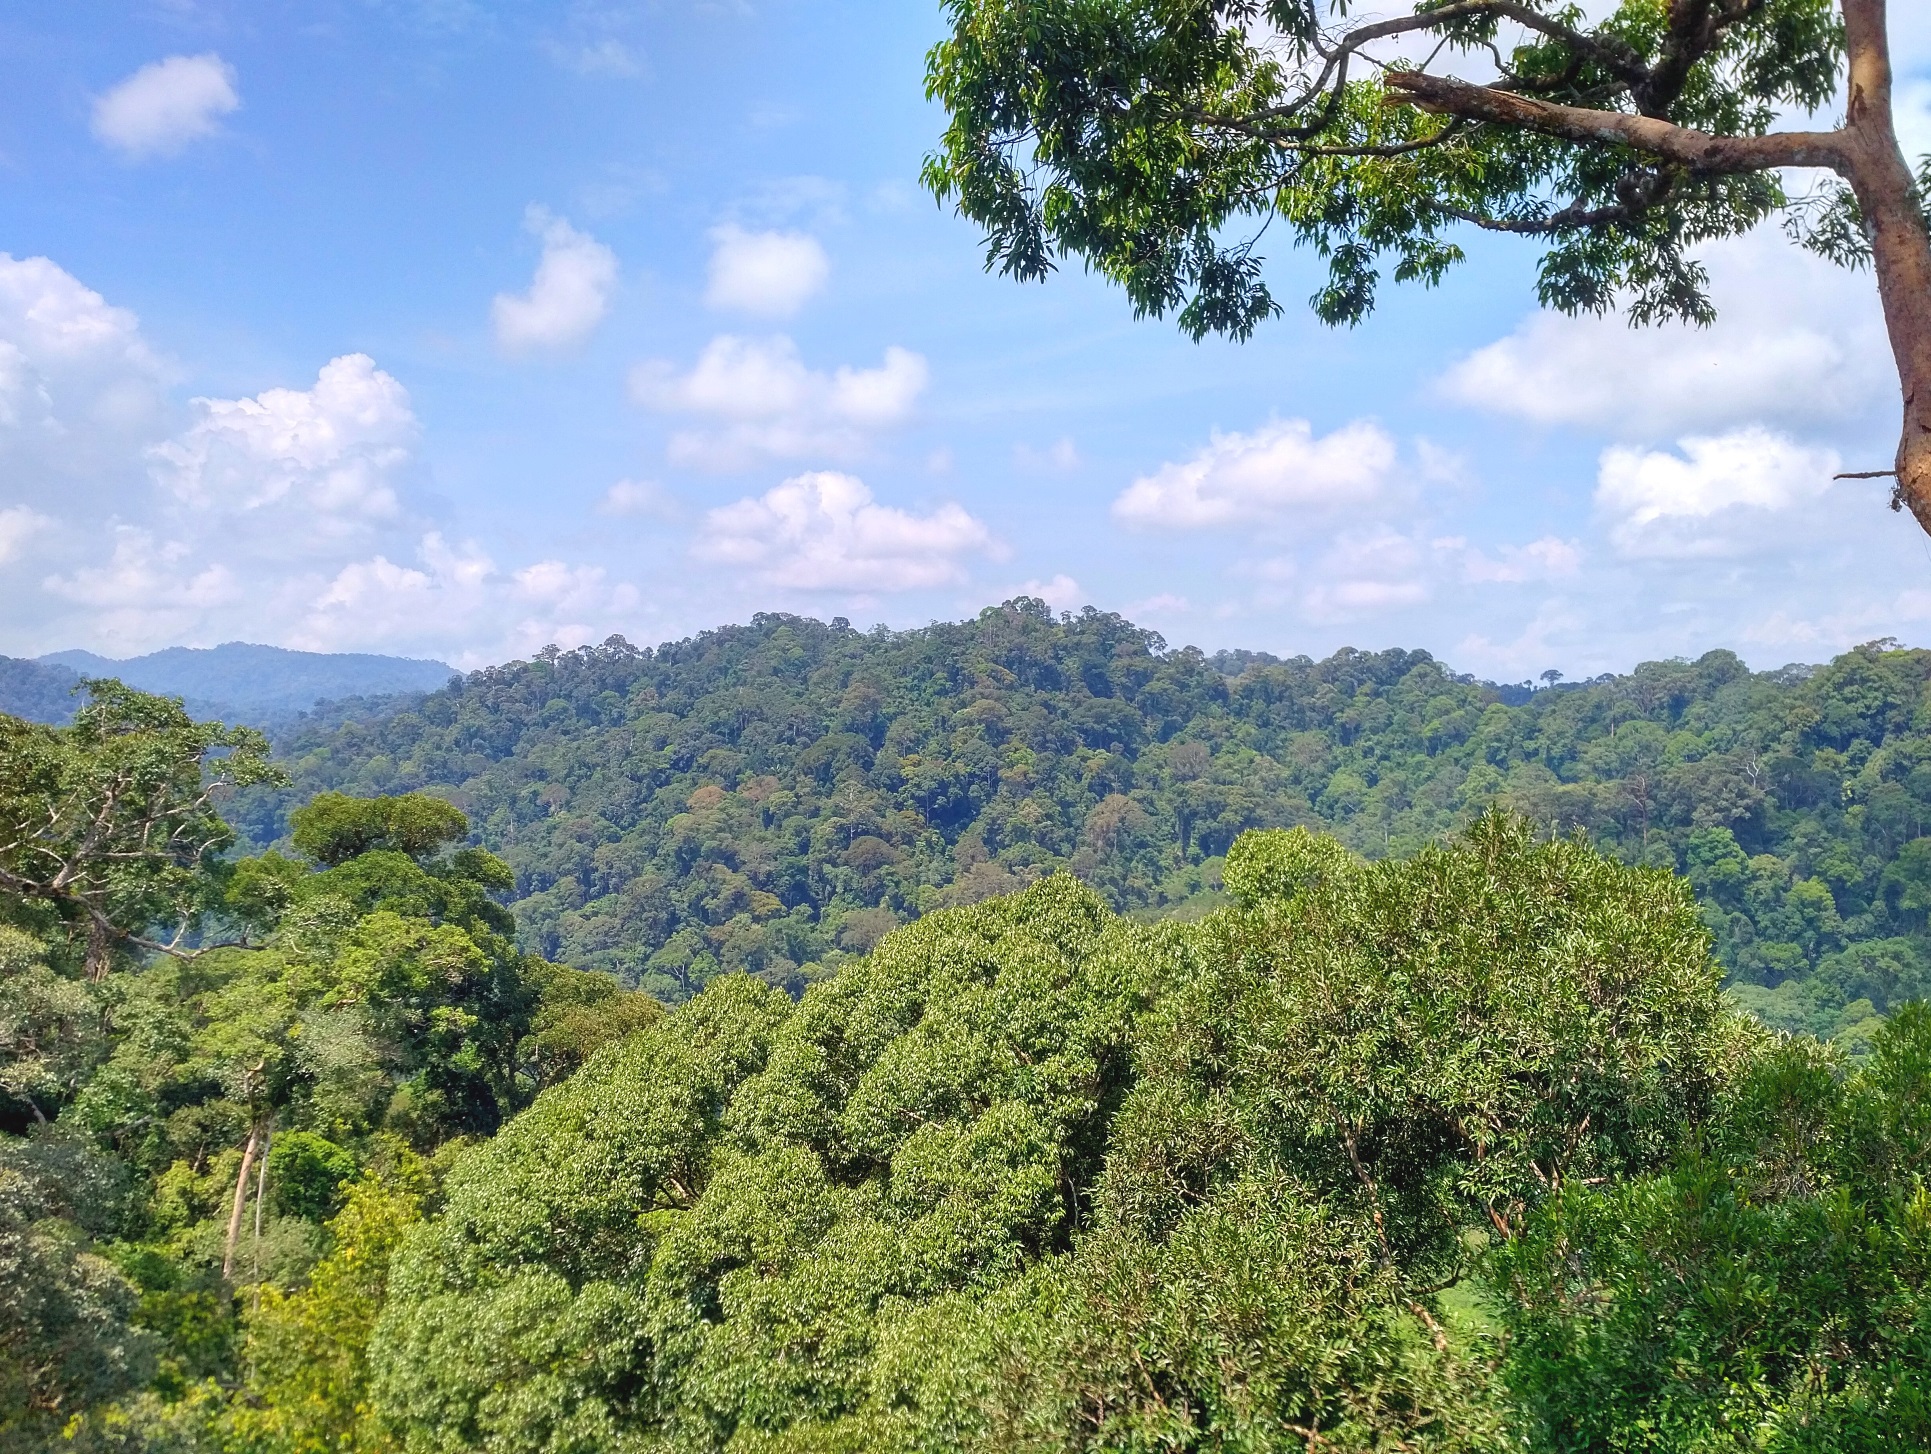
109 831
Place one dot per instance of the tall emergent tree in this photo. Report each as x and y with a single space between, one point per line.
1140 134
109 833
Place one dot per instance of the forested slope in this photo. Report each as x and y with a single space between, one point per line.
775 796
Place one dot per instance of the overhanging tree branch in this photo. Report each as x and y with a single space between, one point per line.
1700 151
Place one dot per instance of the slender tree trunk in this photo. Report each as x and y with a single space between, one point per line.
241 1202
261 1199
1878 174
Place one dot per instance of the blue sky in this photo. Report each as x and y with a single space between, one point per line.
456 327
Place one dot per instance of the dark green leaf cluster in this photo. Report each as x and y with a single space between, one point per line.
108 828
1773 1280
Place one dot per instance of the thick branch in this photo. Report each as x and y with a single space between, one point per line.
1698 150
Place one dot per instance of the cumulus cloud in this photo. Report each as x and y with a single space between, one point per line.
328 455
1276 471
1713 498
376 602
764 403
80 389
165 105
1548 559
568 297
1796 341
18 525
768 274
1062 592
824 532
1062 456
637 497
149 592
284 516
455 597
1364 573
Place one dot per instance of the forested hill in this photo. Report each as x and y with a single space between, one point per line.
775 796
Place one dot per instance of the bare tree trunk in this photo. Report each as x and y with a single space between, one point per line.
1878 174
241 1201
100 950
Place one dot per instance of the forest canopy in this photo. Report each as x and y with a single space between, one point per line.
1457 1145
774 797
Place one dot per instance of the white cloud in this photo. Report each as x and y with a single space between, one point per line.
149 593
606 57
1062 592
1276 471
328 455
281 517
145 573
1165 603
638 497
823 532
1550 558
80 390
1062 456
18 525
767 404
376 602
1711 499
562 602
455 596
165 105
568 297
1796 340
1549 637
768 274
1365 574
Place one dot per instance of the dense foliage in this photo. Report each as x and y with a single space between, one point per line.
774 797
1457 1149
181 1115
1769 1286
1033 1176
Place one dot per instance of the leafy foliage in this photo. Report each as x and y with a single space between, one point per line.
181 1132
1032 1175
108 827
773 798
1156 141
1783 1259
1458 1148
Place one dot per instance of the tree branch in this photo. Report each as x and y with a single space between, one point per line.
1700 151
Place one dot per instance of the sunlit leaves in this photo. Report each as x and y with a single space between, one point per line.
1155 141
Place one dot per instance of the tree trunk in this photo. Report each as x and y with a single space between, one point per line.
100 949
1878 174
241 1202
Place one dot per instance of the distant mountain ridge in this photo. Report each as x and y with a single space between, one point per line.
236 681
